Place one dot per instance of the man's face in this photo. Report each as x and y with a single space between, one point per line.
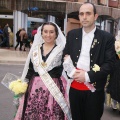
87 16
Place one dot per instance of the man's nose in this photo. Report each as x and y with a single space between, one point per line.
84 16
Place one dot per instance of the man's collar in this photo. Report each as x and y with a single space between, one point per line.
90 33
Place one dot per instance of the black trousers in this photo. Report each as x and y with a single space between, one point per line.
21 44
86 105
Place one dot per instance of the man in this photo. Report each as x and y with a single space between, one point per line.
22 33
18 39
5 36
1 34
88 46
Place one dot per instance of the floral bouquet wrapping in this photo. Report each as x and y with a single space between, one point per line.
17 86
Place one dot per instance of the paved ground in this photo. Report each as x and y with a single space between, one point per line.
12 56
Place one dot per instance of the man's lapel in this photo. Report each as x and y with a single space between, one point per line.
96 40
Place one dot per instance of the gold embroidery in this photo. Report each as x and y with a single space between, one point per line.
35 54
95 40
44 64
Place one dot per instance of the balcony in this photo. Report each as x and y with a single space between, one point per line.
56 7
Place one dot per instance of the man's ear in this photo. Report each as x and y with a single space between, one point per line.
96 16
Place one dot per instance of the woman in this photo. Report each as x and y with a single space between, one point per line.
44 98
113 88
25 41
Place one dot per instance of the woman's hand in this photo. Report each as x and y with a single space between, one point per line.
66 56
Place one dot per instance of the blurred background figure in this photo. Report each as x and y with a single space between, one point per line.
113 88
34 31
11 37
18 38
1 34
5 37
22 33
25 42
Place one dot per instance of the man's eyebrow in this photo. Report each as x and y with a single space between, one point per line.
85 12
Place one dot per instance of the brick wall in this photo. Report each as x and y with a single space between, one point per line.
82 1
103 2
113 3
118 3
94 1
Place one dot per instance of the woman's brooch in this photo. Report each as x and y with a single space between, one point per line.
44 64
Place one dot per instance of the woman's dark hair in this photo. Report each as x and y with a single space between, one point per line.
50 23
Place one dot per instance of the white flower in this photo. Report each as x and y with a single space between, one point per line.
117 46
96 68
18 87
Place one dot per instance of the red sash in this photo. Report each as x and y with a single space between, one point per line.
79 86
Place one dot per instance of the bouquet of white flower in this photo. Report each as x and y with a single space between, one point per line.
16 85
117 44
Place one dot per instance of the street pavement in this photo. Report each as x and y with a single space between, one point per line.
12 56
13 61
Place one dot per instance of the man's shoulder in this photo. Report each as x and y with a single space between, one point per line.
75 31
103 32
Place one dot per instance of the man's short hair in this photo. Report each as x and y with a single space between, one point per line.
94 8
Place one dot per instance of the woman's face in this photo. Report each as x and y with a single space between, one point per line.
49 34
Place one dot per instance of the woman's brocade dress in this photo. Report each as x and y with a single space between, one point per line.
38 103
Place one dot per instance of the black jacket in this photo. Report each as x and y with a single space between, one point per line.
102 53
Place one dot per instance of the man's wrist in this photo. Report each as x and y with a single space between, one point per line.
87 79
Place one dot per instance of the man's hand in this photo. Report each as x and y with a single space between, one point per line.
79 76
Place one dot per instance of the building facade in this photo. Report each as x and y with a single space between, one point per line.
63 12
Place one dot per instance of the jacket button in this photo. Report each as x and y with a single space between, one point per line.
91 54
91 60
79 50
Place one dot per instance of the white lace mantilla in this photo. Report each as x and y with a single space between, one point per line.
52 61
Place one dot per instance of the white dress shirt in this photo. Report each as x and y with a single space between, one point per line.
84 58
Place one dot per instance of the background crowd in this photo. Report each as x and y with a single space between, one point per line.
24 39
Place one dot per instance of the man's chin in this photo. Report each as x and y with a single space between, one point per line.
85 25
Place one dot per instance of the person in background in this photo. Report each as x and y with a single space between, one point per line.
45 96
25 42
1 34
10 36
92 53
113 87
5 36
22 33
33 33
18 39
